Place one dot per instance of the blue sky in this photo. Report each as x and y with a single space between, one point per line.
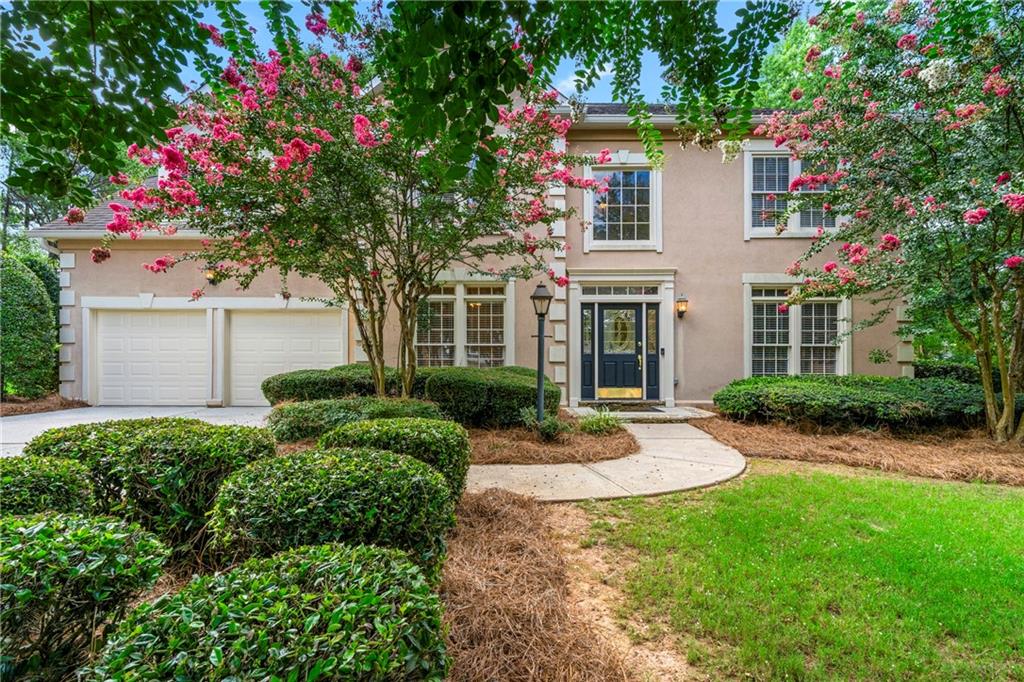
650 78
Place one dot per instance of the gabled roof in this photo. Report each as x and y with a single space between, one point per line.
96 220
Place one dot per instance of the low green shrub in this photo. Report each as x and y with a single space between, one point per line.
171 476
297 421
348 495
968 373
36 484
854 401
318 384
599 424
97 446
548 429
329 612
66 579
443 445
162 473
28 362
488 397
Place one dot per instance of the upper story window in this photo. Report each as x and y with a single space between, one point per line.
803 339
767 174
465 324
628 216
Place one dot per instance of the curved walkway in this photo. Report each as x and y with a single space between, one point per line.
672 457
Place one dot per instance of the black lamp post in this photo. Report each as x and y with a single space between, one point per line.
541 298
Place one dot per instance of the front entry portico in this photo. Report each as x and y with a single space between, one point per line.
622 344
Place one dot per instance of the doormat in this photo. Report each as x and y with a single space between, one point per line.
625 407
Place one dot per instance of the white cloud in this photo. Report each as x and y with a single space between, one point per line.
567 86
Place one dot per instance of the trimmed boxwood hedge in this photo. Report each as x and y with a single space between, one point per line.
854 401
97 446
162 473
489 397
311 418
330 612
347 495
342 381
36 484
28 361
443 445
66 579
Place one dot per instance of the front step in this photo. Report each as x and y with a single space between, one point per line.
648 412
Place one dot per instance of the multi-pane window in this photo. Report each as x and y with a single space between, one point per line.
777 338
435 334
813 217
462 324
770 343
624 212
770 177
819 329
485 332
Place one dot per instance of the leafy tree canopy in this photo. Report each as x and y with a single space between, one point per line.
784 75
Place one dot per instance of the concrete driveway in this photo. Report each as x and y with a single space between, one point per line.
15 432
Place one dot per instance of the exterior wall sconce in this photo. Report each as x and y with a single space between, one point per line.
212 275
682 305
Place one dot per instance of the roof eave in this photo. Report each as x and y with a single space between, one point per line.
72 233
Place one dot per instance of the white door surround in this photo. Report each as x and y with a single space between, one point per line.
216 311
663 278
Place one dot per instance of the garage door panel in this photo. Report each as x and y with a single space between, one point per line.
151 357
265 343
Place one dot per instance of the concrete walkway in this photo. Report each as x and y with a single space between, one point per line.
672 457
16 431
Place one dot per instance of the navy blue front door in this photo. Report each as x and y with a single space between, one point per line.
620 351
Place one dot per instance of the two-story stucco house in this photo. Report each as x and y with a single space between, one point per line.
691 230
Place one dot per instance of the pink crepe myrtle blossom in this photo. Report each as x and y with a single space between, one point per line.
354 65
1013 262
796 94
1014 202
119 179
215 37
907 41
316 24
98 254
975 216
196 294
890 242
813 54
782 308
793 269
562 281
74 215
1002 178
604 156
829 266
159 264
995 84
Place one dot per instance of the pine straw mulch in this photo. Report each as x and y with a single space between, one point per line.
521 446
507 599
951 455
12 407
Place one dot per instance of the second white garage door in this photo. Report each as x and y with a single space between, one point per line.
261 344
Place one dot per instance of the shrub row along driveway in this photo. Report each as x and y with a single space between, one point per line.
16 431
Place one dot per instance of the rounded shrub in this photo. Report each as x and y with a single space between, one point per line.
309 419
171 475
317 384
488 397
320 496
28 363
66 578
329 612
854 401
36 484
442 444
44 267
97 446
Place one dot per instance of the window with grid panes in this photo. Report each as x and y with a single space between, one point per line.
624 212
435 333
485 326
770 176
819 329
813 217
770 342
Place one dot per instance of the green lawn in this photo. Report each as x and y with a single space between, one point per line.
793 576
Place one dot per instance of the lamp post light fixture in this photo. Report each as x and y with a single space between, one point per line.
682 305
541 298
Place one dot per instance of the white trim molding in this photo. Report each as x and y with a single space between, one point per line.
844 353
459 279
665 279
624 160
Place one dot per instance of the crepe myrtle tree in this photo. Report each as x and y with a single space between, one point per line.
918 142
297 167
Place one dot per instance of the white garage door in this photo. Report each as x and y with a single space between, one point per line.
261 344
151 358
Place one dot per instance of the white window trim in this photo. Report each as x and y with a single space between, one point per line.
460 298
754 148
844 352
623 159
